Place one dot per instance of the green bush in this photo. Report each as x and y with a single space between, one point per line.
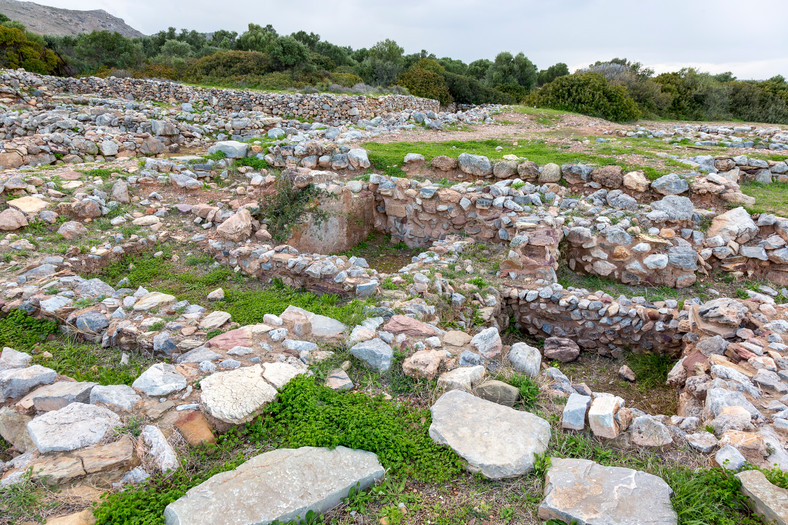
424 83
21 331
347 80
18 50
232 64
589 94
468 90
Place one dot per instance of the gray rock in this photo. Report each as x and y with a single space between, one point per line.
76 426
768 500
675 207
719 398
233 149
729 458
646 431
161 452
575 410
198 355
583 492
525 359
670 184
92 322
11 358
184 181
121 396
375 353
59 394
281 485
94 288
703 442
236 396
497 441
498 392
16 382
476 165
160 379
488 342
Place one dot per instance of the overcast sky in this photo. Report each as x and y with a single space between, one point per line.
747 37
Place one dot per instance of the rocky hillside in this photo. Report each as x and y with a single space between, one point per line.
48 20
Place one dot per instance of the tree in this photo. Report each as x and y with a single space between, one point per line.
102 49
176 48
383 63
17 50
478 68
508 69
287 52
310 40
551 73
257 38
224 39
427 83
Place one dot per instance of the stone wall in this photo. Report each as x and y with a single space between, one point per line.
327 108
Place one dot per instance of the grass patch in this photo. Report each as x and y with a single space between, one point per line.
769 198
529 389
25 501
246 299
651 370
286 208
91 362
21 331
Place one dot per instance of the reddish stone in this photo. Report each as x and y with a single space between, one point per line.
401 324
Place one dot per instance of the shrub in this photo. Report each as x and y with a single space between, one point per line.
17 50
590 94
232 64
22 331
468 90
428 84
347 80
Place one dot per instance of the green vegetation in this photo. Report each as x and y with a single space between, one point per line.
25 501
590 94
283 210
91 362
305 414
21 48
21 331
246 299
769 198
529 389
651 369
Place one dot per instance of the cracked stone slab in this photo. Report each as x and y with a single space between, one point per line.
281 485
583 492
498 441
75 426
236 396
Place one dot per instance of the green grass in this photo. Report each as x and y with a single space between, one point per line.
389 158
246 299
651 370
769 198
22 332
91 362
529 389
25 501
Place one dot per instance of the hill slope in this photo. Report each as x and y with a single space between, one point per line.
48 20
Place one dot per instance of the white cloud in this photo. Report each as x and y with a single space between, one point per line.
747 38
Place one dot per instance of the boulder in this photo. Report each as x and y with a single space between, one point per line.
72 230
73 427
17 382
636 181
120 396
550 173
11 358
525 359
401 324
488 342
462 378
602 415
646 431
236 396
231 148
238 227
734 225
58 395
160 379
476 165
423 364
768 501
561 349
375 353
12 219
608 176
280 485
583 492
497 441
498 392
670 184
574 415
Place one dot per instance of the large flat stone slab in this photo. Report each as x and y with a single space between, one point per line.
236 396
280 485
768 500
497 441
583 492
76 426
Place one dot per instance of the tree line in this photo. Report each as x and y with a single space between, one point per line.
260 57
